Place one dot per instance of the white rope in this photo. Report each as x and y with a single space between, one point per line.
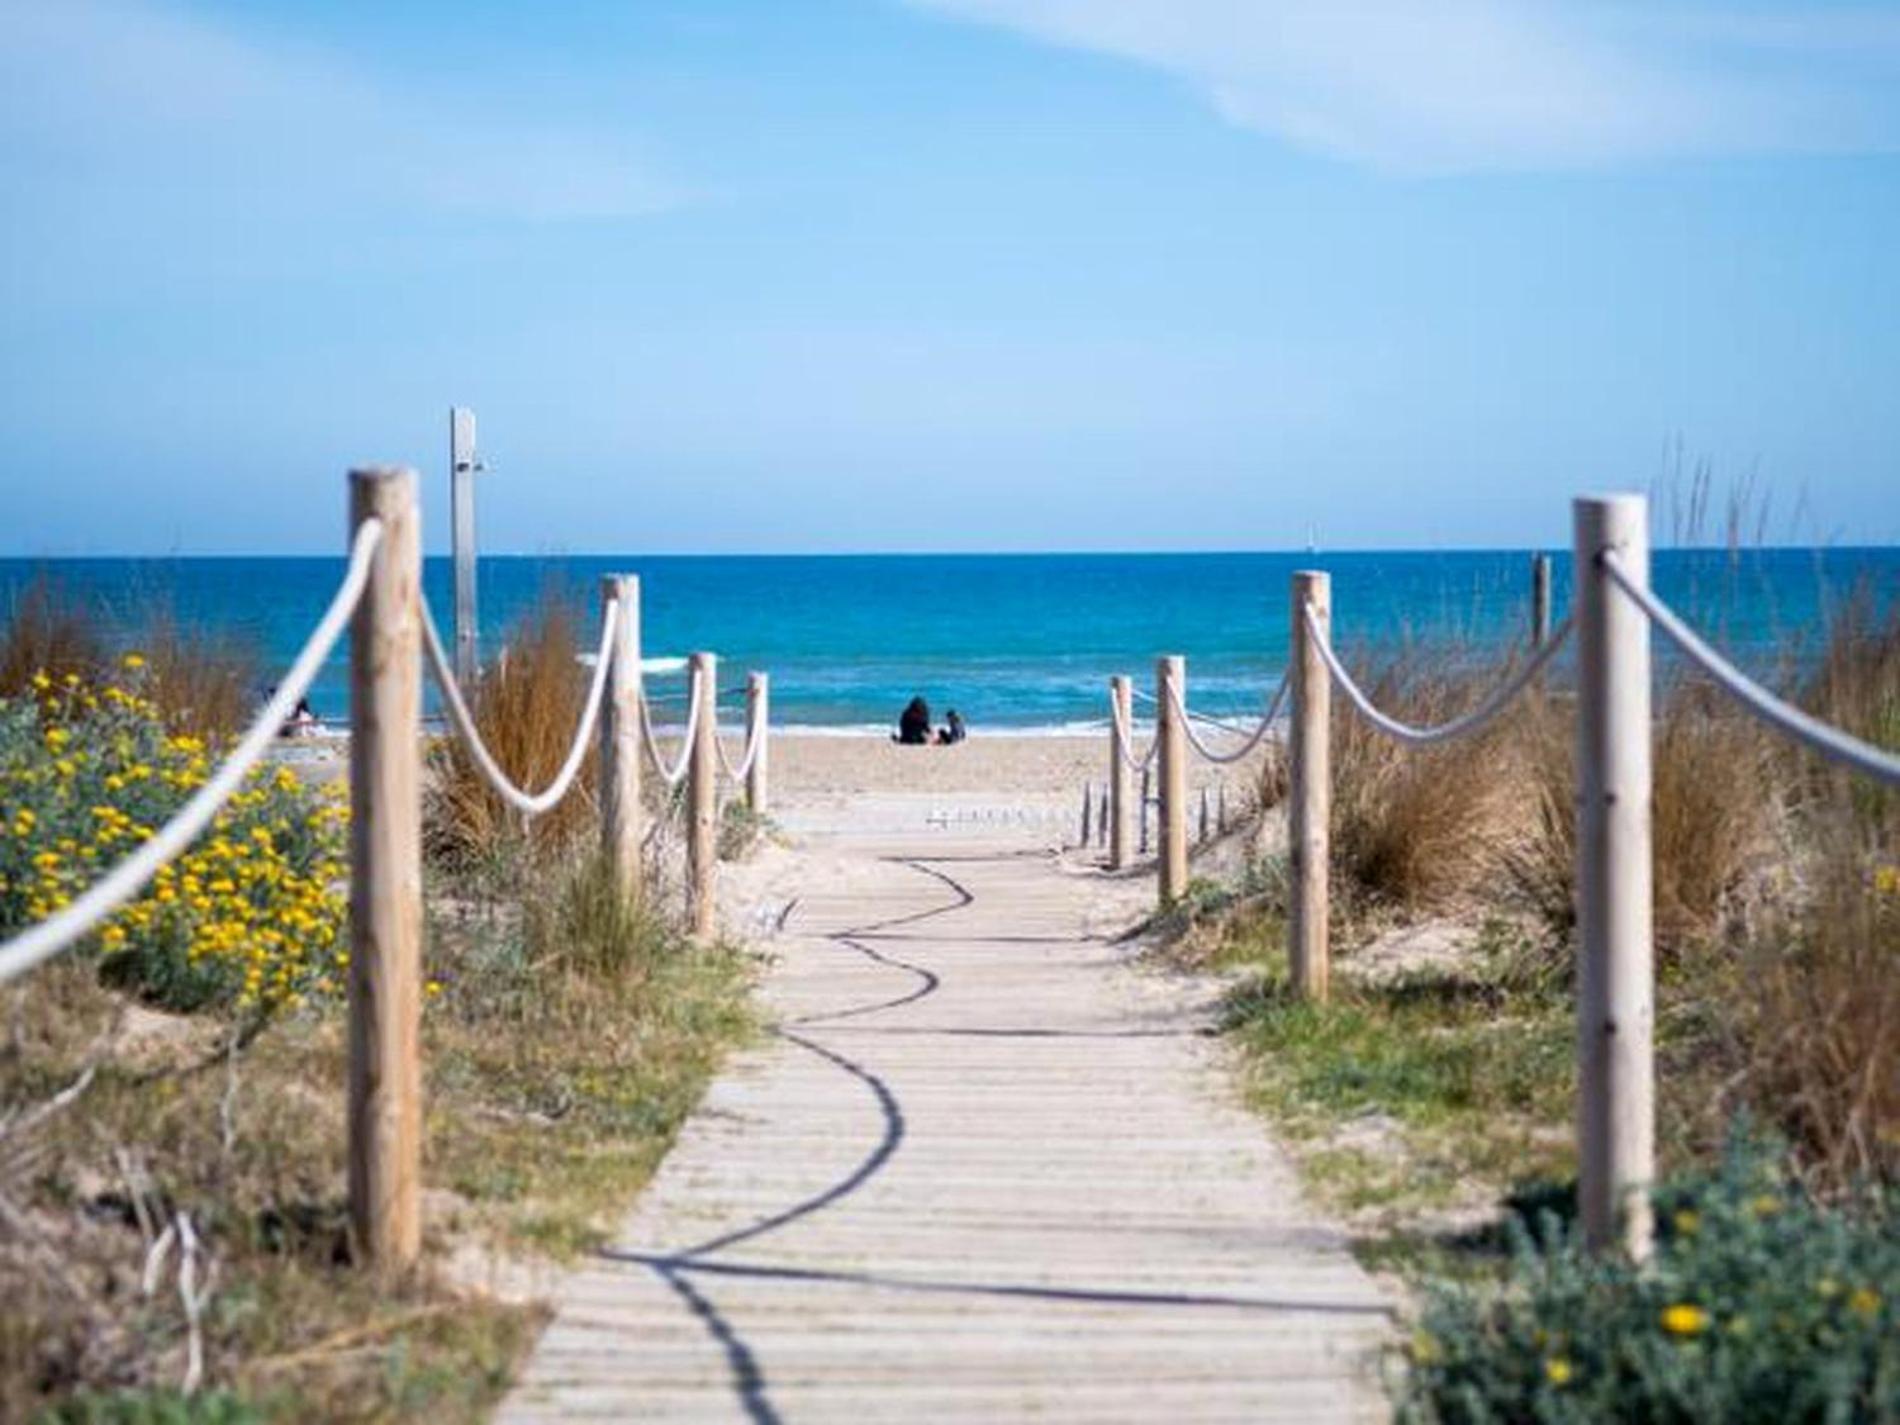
46 939
652 743
1824 738
1496 703
530 804
754 737
1124 742
1253 739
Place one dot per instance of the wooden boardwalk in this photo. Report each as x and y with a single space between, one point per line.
982 1170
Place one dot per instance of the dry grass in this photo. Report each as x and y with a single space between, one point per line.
48 630
526 704
204 683
1419 827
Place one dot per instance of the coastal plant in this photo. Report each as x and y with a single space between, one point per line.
1760 1303
1417 827
248 917
50 631
526 703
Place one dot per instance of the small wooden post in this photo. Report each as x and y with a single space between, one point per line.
1170 683
462 467
1204 820
1088 810
1540 600
385 1082
1310 755
1147 800
621 813
1121 702
702 842
1221 815
1101 818
1615 988
758 727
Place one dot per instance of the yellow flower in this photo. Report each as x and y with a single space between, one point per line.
41 682
1685 1319
1687 1221
1425 1348
434 987
1864 1302
57 737
1765 1205
1558 1371
133 661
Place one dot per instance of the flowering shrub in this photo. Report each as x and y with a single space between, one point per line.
1758 1305
247 917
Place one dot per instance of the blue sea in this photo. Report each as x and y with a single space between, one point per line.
1011 641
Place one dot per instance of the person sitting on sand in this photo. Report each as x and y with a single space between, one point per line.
913 726
953 731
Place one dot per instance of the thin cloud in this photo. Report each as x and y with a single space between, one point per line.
131 92
1459 85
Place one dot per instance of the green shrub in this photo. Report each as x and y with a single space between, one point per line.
248 916
1759 1304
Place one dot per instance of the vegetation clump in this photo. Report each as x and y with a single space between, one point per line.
1760 1304
249 916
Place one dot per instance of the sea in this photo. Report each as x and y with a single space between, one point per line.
1013 642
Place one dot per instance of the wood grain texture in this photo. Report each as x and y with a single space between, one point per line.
385 1092
1309 754
985 1169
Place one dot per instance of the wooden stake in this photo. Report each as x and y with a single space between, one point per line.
1310 813
1170 681
758 724
702 843
1615 990
621 813
462 467
1088 810
385 1082
1121 702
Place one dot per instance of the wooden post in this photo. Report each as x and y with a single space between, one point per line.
1147 800
1088 810
1170 683
385 1081
1615 989
1204 821
1101 818
462 467
1310 756
621 813
758 726
1220 820
702 840
1121 702
1540 600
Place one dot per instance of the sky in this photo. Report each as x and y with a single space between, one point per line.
844 275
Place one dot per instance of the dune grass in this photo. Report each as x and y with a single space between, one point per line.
567 1033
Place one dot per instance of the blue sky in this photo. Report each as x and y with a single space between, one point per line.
943 274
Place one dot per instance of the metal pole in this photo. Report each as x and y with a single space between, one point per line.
1170 684
758 727
1309 755
385 1079
620 807
702 844
1615 992
1121 701
462 467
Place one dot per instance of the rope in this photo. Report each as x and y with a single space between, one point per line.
1123 743
1253 740
1498 700
536 803
652 743
1824 738
54 934
754 737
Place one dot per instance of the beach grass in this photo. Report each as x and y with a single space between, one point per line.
567 1034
